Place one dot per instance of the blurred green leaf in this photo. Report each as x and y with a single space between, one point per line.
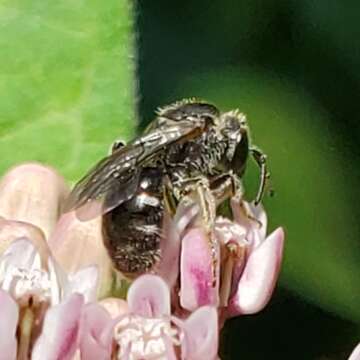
66 81
314 190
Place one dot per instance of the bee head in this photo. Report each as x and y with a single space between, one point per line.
234 130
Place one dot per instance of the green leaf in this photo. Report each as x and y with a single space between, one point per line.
314 188
66 81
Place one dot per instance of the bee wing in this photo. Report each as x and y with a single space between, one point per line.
115 179
109 183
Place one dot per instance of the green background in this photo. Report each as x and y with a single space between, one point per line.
293 68
68 90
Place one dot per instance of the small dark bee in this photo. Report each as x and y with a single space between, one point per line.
190 147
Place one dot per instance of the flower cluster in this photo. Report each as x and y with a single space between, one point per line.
54 270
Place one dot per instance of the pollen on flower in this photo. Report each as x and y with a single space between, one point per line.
145 338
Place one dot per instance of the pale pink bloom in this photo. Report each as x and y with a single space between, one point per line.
77 244
60 330
23 274
47 300
145 329
34 194
355 355
11 230
234 267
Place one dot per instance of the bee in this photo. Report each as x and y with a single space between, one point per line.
189 147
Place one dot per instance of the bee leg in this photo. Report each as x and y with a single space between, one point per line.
198 190
118 144
228 186
260 159
207 204
170 198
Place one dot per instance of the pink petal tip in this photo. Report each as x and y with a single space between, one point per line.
259 277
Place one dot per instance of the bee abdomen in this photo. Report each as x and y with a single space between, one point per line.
132 235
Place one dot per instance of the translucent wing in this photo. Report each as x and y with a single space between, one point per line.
115 179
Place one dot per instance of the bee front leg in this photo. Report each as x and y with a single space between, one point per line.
260 159
228 186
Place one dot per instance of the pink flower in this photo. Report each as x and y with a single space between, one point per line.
47 301
145 329
207 274
24 275
40 302
76 244
234 267
34 194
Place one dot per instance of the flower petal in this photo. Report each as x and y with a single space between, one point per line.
8 325
255 225
199 271
96 333
58 340
149 296
186 212
173 229
83 282
115 307
201 334
76 244
21 256
170 353
11 230
355 355
260 214
168 268
259 276
58 281
32 193
234 248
